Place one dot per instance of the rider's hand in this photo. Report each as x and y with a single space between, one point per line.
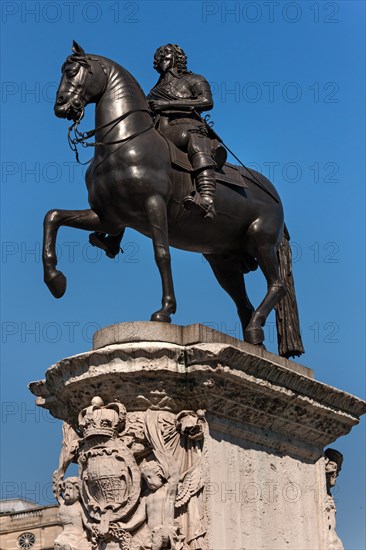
158 105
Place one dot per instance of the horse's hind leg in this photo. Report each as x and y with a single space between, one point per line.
229 274
54 219
266 255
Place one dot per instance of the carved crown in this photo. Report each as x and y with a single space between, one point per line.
100 419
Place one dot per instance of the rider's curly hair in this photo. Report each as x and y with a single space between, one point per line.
180 57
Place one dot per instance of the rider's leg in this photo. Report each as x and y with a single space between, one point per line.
200 154
206 187
193 139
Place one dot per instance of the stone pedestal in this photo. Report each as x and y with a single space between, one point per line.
235 434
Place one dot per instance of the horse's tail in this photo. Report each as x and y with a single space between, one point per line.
287 315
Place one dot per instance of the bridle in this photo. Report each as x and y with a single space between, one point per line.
80 138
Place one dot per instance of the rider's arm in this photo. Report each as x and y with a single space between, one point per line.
200 100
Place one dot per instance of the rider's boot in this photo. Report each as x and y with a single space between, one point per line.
111 244
203 200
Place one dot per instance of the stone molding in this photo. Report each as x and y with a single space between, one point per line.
235 382
140 331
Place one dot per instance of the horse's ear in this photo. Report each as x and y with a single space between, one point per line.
78 50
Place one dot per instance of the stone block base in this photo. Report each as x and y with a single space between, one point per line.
187 438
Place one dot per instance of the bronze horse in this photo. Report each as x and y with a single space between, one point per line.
131 183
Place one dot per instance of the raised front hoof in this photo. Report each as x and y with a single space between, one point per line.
254 336
161 317
56 283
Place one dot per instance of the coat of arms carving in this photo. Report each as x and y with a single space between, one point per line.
140 480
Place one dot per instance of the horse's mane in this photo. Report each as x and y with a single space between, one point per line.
121 83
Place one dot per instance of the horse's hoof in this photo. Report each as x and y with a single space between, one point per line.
254 335
161 317
57 284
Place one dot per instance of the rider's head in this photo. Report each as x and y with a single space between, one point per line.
169 56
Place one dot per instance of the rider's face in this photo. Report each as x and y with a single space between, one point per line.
166 61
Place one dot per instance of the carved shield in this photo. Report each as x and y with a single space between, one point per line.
110 479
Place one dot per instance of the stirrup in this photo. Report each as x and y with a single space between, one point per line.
101 241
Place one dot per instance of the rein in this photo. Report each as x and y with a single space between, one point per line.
81 137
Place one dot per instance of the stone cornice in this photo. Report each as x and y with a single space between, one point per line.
241 385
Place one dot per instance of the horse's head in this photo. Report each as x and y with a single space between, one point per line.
83 80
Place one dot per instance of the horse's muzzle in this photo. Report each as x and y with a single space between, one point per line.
67 111
67 108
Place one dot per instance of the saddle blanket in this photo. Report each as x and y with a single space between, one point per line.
229 174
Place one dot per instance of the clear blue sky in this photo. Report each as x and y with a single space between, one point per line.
289 86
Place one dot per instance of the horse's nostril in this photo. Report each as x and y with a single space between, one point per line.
60 99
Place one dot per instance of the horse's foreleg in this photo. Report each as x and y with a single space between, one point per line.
268 262
54 219
156 212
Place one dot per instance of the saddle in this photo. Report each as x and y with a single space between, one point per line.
226 173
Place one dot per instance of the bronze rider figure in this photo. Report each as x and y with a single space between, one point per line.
177 100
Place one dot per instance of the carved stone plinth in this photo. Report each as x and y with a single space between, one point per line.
187 438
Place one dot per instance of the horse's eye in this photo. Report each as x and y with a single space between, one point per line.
71 72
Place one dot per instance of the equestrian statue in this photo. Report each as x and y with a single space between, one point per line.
160 168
